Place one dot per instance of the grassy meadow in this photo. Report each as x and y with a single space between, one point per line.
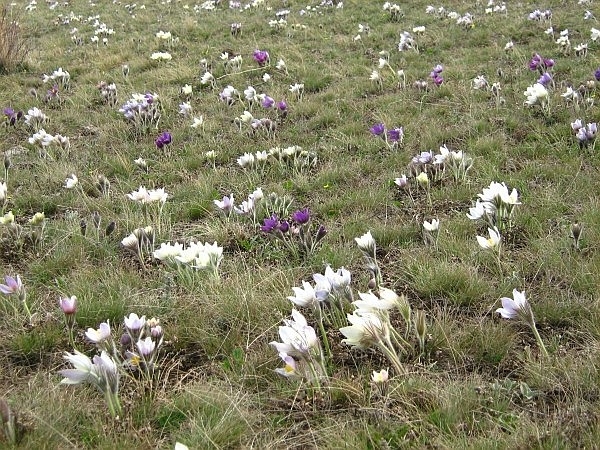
306 115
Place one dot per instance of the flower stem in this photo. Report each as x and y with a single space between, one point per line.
539 341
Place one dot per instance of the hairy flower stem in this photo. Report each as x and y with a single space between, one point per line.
538 338
391 355
324 336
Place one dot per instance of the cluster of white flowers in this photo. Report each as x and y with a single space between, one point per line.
35 118
407 42
161 56
144 196
196 255
60 77
495 206
44 140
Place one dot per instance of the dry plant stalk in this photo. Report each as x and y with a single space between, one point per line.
14 47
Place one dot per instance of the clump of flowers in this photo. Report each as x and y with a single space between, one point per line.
192 258
12 117
296 233
231 63
300 350
143 111
585 133
293 158
135 356
540 64
495 206
35 119
394 10
140 243
108 92
392 137
45 141
153 197
59 77
436 75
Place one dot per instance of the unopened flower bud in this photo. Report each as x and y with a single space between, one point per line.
96 219
110 228
83 226
125 340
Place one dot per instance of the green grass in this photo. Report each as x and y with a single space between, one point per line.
480 381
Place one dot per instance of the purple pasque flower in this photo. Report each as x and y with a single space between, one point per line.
545 79
261 57
437 70
378 129
68 305
282 106
396 135
12 286
163 139
535 61
321 232
268 102
284 226
270 224
12 116
539 63
597 74
301 216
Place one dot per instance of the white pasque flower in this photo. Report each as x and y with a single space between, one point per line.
366 243
512 307
536 94
298 338
99 335
71 182
434 225
492 242
304 296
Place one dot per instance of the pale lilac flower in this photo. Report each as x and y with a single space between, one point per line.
134 323
68 304
100 335
12 286
512 307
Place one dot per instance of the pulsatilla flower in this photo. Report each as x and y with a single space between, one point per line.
12 286
261 57
163 139
301 216
378 129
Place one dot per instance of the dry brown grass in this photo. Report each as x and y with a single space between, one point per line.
14 46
